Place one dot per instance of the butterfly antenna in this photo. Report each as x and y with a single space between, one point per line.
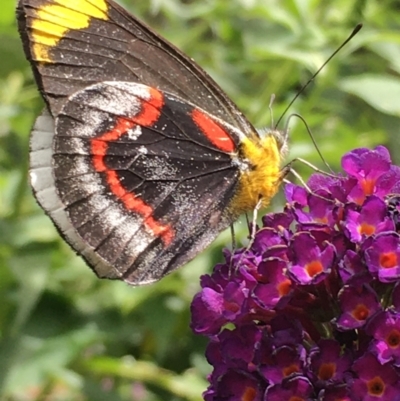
271 113
353 33
310 134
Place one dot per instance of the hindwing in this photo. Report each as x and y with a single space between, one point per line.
141 185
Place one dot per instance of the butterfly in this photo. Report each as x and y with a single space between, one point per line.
139 158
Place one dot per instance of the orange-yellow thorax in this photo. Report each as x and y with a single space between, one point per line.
263 177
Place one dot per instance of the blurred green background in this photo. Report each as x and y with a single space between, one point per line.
64 334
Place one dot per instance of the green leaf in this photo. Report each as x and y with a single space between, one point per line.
379 91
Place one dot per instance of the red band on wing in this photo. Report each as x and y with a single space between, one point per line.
149 113
100 145
214 132
150 109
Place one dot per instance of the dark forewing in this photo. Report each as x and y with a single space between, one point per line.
75 43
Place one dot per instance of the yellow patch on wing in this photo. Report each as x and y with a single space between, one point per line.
54 20
261 181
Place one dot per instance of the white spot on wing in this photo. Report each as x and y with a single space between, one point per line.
143 150
134 133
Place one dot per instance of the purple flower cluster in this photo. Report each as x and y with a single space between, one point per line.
311 311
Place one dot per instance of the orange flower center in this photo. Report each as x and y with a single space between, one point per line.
314 267
368 186
284 287
249 394
323 219
388 260
326 371
290 369
393 339
376 386
366 229
360 312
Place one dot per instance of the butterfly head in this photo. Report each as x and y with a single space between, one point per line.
281 138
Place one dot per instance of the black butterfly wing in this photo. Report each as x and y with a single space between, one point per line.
143 159
75 43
